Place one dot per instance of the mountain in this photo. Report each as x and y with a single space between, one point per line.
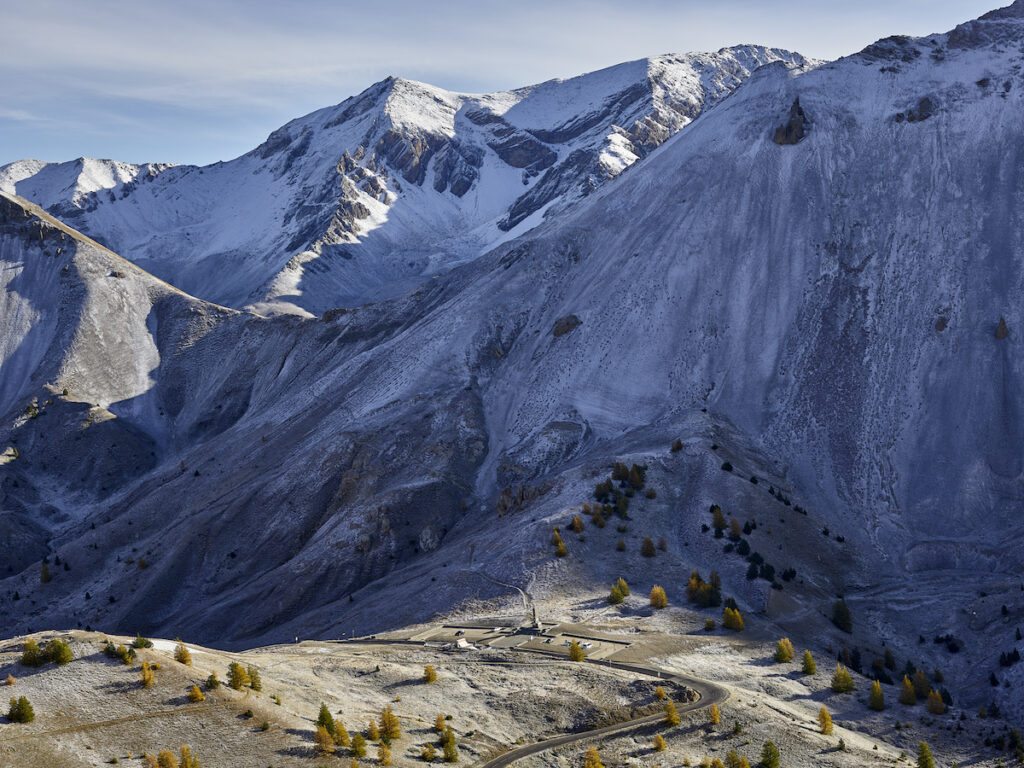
815 288
364 200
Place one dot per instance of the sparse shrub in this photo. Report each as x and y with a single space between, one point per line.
713 714
598 519
124 655
358 745
238 676
575 652
841 616
195 695
842 680
429 674
671 714
842 745
770 755
658 597
784 651
876 699
662 545
809 667
182 655
647 548
323 742
141 642
439 723
621 546
265 726
254 679
428 754
20 711
650 493
659 743
677 445
9 680
731 619
212 683
709 625
148 676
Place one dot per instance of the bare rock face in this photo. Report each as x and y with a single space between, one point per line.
564 325
793 131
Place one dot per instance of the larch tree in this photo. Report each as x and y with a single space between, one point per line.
658 597
809 667
671 714
907 695
876 699
325 718
924 756
824 721
713 714
429 674
323 742
182 655
842 680
784 651
659 743
592 759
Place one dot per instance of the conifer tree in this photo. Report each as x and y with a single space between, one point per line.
167 759
770 755
809 667
383 754
592 759
323 742
921 685
615 596
658 597
924 756
713 714
784 651
671 714
188 760
373 732
731 619
575 652
621 546
325 718
824 721
254 679
340 734
390 728
31 655
876 699
182 655
195 695
735 760
556 537
238 676
148 677
560 549
659 743
935 704
907 695
44 573
212 682
58 652
20 711
718 521
439 723
659 693
449 749
842 680
576 526
841 616
647 548
358 745
9 680
428 754
429 674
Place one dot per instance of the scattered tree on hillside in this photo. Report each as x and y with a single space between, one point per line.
325 718
576 526
924 756
182 655
841 616
731 619
188 760
141 642
449 748
658 597
809 667
429 674
20 711
659 743
390 727
824 721
383 754
58 652
647 548
439 723
323 742
428 754
784 651
921 685
621 546
195 695
735 760
254 679
9 680
238 676
659 693
876 699
907 695
614 595
358 745
148 676
713 714
592 759
575 652
212 682
167 759
671 714
340 734
372 731
44 573
935 704
770 755
31 655
842 680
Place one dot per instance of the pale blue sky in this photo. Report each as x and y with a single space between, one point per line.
204 80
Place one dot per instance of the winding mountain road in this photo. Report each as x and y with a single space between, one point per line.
709 693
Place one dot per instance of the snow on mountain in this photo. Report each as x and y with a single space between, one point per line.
365 199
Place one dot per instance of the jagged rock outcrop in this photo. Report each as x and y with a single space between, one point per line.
794 129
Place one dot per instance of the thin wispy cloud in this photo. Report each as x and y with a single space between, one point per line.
200 81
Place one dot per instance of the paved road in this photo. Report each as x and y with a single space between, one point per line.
709 692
